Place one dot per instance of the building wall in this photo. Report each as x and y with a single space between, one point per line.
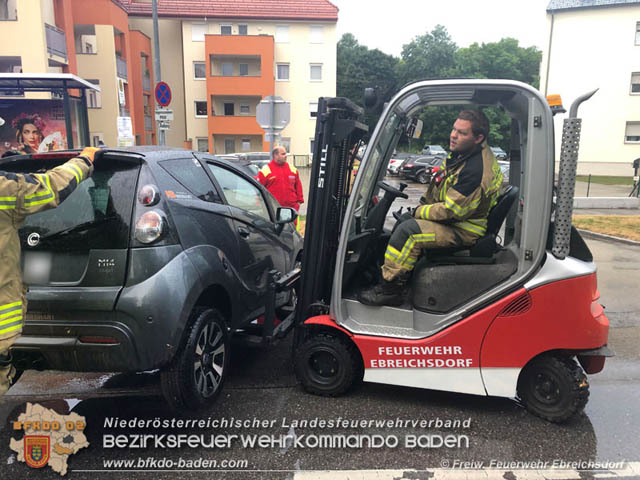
589 49
170 32
25 38
140 43
102 66
300 91
195 89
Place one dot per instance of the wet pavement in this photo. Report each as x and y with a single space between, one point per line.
262 388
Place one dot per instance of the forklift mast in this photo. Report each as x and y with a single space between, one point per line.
338 137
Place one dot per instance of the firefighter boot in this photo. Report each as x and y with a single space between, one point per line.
385 293
7 372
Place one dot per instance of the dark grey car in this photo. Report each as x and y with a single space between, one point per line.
153 263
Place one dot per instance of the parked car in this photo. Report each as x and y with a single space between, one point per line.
260 159
396 162
152 263
499 153
504 166
421 168
435 150
246 166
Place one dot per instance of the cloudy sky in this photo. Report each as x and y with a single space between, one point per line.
389 24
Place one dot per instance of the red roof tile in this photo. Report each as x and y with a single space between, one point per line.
256 9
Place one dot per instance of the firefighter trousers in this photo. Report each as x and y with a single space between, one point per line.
411 237
7 372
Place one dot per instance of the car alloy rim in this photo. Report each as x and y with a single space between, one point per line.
208 367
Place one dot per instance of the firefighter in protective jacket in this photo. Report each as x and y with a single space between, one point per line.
453 211
22 195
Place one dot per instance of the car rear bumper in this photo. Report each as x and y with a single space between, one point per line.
80 347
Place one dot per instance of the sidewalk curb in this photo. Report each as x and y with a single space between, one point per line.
607 238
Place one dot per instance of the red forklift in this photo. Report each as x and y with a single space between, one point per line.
516 315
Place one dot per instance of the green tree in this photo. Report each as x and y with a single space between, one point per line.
503 59
431 55
359 68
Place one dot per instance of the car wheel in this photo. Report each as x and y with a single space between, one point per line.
196 376
553 388
327 365
422 177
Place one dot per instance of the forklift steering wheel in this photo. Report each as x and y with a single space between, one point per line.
394 191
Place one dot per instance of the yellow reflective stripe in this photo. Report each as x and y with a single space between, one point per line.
293 169
470 227
424 211
73 171
44 179
16 316
413 239
48 194
14 312
11 329
391 252
7 199
451 205
7 306
389 257
410 261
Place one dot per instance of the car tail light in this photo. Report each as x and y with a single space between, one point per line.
150 227
55 155
409 165
148 195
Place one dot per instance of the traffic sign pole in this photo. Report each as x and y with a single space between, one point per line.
273 114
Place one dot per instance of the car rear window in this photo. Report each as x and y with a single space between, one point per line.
97 215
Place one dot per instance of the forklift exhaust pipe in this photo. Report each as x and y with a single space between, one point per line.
567 178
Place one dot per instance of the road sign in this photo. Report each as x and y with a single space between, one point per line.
163 94
164 125
271 137
273 113
163 114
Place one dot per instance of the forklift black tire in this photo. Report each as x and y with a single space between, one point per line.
327 365
197 374
553 388
422 177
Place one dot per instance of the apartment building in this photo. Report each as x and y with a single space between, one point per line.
91 39
596 44
221 58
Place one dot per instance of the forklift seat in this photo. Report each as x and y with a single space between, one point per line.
483 250
486 245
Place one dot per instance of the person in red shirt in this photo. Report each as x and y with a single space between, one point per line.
282 180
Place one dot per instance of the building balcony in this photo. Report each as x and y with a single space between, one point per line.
240 85
56 41
234 125
121 67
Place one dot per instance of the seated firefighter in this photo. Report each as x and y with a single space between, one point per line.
453 211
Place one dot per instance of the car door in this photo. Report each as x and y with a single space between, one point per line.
261 247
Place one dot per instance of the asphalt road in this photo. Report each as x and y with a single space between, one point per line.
262 388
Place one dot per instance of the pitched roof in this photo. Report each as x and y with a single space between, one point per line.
575 4
244 9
